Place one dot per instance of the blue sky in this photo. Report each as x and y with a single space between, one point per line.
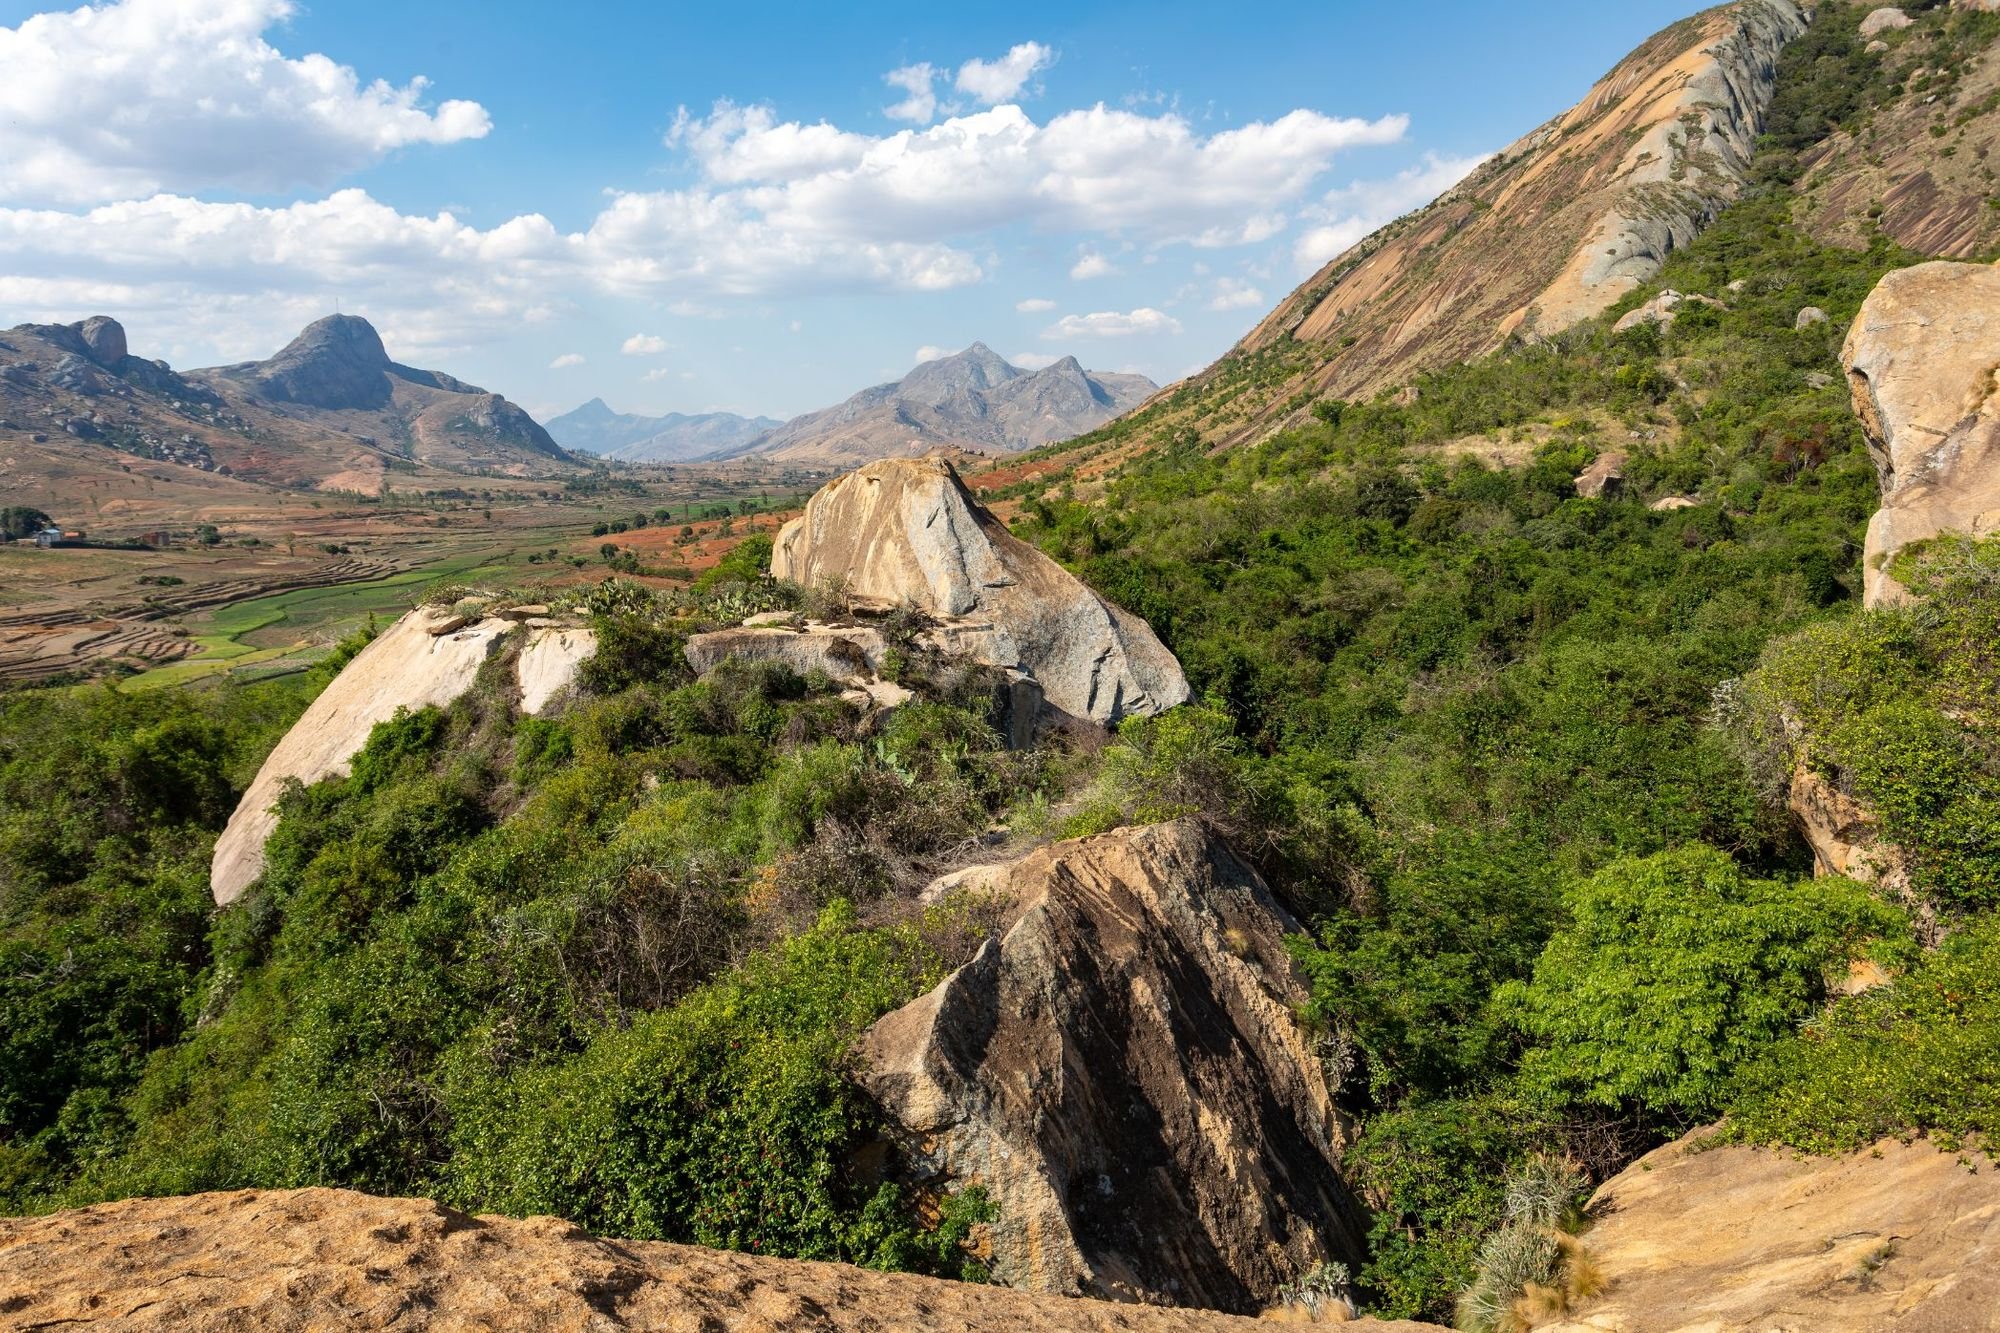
753 208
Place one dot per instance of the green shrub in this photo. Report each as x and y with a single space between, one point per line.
1675 972
1920 1055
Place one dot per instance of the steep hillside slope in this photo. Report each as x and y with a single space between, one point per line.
1558 226
641 439
973 399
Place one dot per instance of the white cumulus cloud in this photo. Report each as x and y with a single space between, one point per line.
930 352
1035 305
1112 324
994 81
566 360
644 344
125 99
1350 213
1234 294
1091 264
920 103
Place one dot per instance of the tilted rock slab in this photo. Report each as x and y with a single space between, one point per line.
1898 1236
333 1259
427 658
906 531
1921 361
1125 1073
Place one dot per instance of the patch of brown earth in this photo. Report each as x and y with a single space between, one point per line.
279 1261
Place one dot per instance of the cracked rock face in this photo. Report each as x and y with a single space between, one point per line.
1125 1073
906 531
1921 361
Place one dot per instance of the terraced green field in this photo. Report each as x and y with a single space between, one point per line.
288 631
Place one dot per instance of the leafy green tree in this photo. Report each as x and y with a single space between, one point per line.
1675 972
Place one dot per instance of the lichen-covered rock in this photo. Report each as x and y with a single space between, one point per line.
843 652
1921 360
1897 1237
294 1260
906 531
1125 1073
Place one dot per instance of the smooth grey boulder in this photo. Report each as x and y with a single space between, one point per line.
906 532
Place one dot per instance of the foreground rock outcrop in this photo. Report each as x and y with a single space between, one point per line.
1900 1236
426 659
1125 1073
287 1260
1921 360
907 532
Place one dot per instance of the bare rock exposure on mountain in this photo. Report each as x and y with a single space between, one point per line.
1125 1073
907 532
338 374
1921 359
330 410
327 1258
973 399
1554 229
675 437
429 657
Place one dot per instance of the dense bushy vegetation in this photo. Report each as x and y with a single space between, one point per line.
605 964
1475 724
1516 756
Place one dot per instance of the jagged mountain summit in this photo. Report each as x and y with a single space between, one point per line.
677 436
337 374
974 399
80 412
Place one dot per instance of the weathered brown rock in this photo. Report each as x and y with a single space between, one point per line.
1897 1237
1125 1073
288 1261
1921 359
1843 835
906 531
1604 478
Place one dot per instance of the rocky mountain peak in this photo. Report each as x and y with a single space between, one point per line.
105 337
337 362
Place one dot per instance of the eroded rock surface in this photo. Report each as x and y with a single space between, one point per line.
286 1260
427 658
1894 1237
906 531
1921 359
1125 1073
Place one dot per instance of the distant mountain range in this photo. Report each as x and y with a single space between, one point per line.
973 399
328 411
675 437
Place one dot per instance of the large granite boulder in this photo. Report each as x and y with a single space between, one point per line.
1921 359
426 659
1124 1071
1694 1236
907 532
105 337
